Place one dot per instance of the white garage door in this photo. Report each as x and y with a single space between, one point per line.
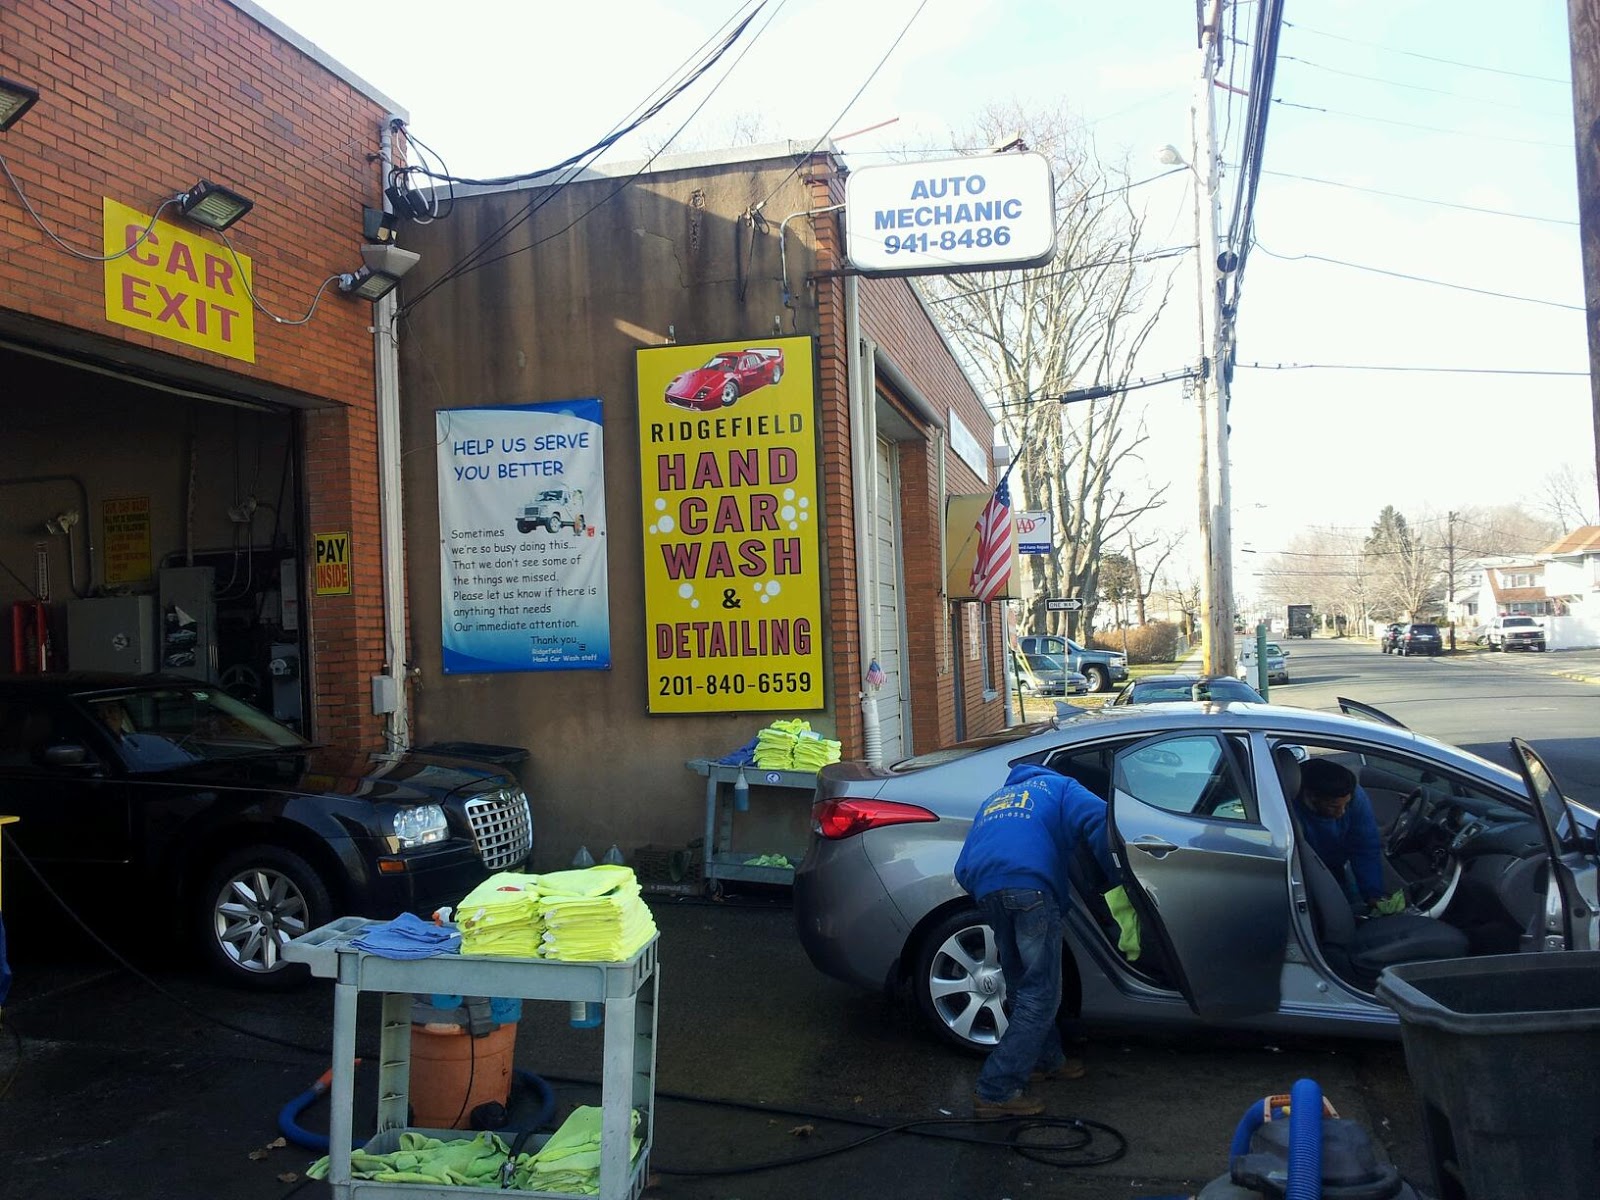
893 706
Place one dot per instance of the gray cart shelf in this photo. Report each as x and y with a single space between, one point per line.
628 990
721 862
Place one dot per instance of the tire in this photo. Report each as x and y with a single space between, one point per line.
253 902
551 524
959 989
730 393
525 526
1099 680
578 525
777 374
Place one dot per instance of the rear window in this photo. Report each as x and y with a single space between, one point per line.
1424 629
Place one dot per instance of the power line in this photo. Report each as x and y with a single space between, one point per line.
1493 212
1428 57
1466 133
1459 287
1420 87
1259 366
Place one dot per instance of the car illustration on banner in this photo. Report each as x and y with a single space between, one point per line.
726 377
552 509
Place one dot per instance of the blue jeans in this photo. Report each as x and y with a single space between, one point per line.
1027 933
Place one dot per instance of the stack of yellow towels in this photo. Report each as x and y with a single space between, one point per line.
775 744
812 752
592 915
569 1162
500 917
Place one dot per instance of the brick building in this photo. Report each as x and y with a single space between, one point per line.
186 409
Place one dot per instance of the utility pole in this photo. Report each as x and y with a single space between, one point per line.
1583 32
1211 389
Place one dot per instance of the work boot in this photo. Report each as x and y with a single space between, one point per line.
1068 1068
1020 1105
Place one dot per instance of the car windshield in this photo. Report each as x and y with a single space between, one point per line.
1517 622
549 495
721 360
157 728
1046 662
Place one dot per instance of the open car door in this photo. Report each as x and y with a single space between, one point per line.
1571 921
1201 869
1354 708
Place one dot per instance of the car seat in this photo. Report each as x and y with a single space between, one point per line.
1358 949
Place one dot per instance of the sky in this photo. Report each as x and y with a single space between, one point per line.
1410 139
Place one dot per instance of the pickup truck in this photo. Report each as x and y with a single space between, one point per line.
1514 633
551 509
1101 668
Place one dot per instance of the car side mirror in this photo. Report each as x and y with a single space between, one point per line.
65 755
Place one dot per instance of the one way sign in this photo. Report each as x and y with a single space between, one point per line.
1063 604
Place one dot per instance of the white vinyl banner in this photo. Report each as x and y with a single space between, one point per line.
522 538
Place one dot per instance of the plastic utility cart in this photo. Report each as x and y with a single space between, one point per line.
721 860
627 990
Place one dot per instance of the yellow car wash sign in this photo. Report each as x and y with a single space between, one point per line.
177 285
330 567
728 474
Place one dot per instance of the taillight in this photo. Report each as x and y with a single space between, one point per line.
837 819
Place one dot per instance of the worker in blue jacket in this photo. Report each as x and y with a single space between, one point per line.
1336 818
1015 863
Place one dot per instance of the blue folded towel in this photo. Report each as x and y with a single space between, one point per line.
409 936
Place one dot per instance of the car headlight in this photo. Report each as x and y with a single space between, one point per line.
420 826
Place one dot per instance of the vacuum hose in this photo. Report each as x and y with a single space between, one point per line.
1305 1136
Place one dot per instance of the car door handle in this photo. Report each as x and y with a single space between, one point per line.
1153 846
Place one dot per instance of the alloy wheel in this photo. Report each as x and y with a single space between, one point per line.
258 911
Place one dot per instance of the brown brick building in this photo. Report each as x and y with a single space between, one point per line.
202 440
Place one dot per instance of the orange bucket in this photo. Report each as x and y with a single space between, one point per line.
452 1073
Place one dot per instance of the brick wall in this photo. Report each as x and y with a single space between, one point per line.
139 100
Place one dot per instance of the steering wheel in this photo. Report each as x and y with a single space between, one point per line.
1408 823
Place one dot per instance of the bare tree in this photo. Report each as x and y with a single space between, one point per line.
1078 322
1567 496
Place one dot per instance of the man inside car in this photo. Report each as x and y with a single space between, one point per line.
1335 816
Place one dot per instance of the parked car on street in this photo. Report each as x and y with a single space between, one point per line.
1101 668
725 378
1277 663
170 804
1051 677
1514 633
1388 634
1418 637
1167 689
1241 924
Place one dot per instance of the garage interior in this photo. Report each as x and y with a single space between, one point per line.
150 526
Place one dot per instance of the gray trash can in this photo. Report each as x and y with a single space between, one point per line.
1504 1052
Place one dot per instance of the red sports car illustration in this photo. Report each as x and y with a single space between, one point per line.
728 375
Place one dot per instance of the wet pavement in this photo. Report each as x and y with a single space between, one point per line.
132 1089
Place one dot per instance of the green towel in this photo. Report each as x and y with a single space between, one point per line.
1389 905
1127 921
474 1162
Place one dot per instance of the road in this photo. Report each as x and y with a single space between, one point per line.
1475 700
130 1092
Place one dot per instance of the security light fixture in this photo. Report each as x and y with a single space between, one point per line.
212 205
15 99
382 266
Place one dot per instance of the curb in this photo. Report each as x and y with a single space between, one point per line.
1578 676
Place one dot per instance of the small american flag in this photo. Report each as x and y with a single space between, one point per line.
992 566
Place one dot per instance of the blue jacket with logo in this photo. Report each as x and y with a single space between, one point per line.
1025 835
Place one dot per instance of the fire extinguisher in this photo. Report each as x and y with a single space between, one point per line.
30 637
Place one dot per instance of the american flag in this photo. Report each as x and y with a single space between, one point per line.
991 568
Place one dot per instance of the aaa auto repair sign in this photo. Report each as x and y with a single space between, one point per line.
951 215
732 576
176 285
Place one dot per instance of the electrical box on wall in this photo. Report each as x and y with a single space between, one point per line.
187 633
112 633
283 667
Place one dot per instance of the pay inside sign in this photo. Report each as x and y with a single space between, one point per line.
330 569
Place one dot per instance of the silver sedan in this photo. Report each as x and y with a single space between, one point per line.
1239 922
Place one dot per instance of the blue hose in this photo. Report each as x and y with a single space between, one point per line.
1305 1141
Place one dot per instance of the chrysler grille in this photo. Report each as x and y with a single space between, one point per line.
502 827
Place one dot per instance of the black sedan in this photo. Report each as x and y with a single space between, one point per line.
161 796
